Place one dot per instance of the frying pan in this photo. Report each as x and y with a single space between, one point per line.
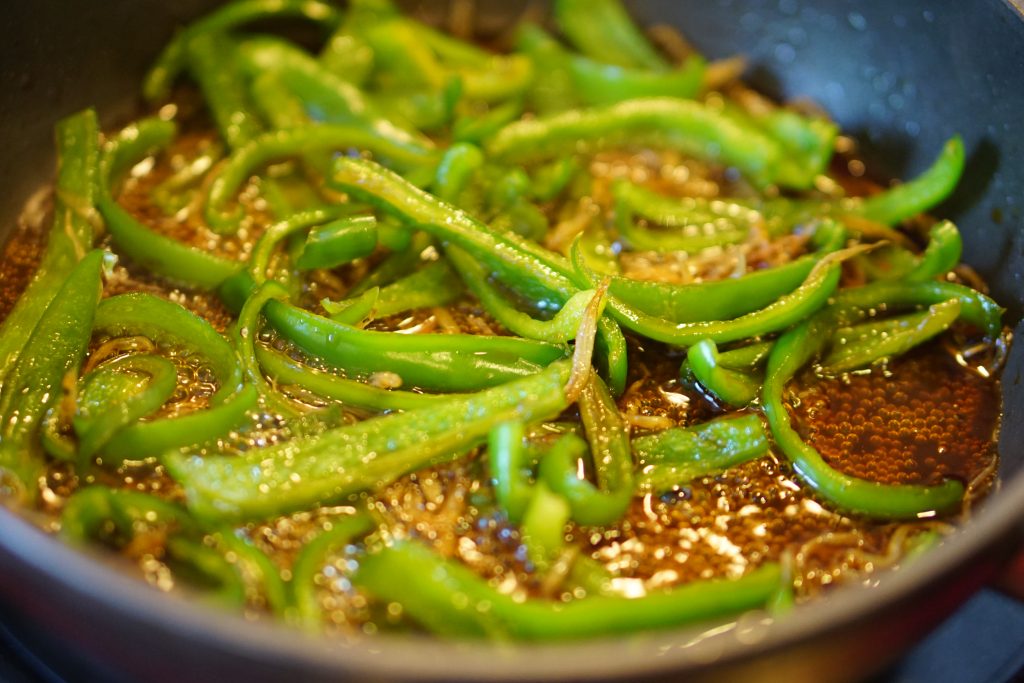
900 77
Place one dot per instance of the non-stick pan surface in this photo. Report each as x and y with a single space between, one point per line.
901 77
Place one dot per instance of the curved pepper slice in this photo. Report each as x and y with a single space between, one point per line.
603 30
864 344
791 352
810 296
291 142
285 370
232 563
923 192
164 321
716 300
156 253
451 600
158 81
730 386
449 362
117 394
311 560
213 63
684 125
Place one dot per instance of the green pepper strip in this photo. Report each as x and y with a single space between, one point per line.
865 344
550 180
729 386
56 442
450 600
450 362
414 54
702 222
177 191
243 335
587 504
455 171
601 83
252 569
975 308
327 97
553 90
603 30
436 284
811 295
88 512
117 394
684 125
338 243
96 511
611 455
213 63
557 473
475 128
158 81
284 143
674 212
161 320
284 110
749 357
70 237
889 207
888 262
715 300
311 561
276 103
347 56
917 196
290 194
543 526
883 501
156 253
675 457
287 371
269 481
55 347
397 264
422 110
942 254
355 310
485 76
691 238
528 268
559 330
506 457
264 248
401 59
246 567
596 252
807 142
209 568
